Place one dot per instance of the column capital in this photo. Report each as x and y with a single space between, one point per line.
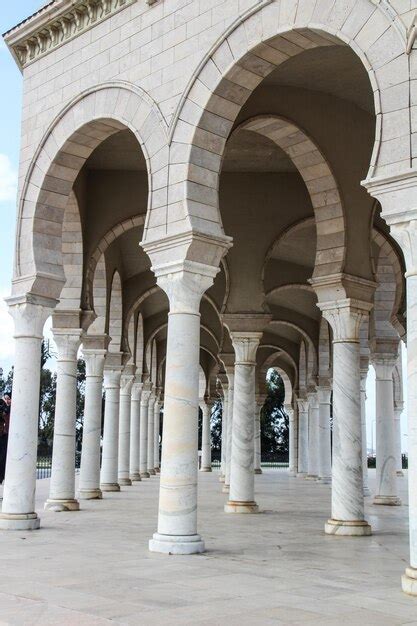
324 394
136 390
127 379
112 377
313 399
345 317
94 362
384 365
95 343
29 315
303 404
146 393
398 408
245 345
67 340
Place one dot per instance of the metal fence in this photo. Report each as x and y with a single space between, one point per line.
267 463
44 465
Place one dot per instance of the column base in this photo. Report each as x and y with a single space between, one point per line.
359 528
409 581
151 472
366 491
89 494
145 475
125 482
257 471
110 487
234 506
225 488
387 500
176 544
311 477
400 473
11 521
56 505
292 474
205 469
221 478
157 470
135 478
301 474
324 480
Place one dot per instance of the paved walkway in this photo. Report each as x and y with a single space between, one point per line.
93 567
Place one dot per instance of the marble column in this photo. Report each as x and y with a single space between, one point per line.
386 470
242 479
224 434
365 473
184 283
303 406
325 452
151 433
398 409
345 318
206 408
231 379
18 506
94 352
135 431
313 436
292 443
260 401
62 483
156 425
126 383
110 462
144 410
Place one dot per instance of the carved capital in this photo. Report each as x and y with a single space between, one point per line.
245 345
29 315
67 340
345 317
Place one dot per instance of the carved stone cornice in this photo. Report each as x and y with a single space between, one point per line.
56 24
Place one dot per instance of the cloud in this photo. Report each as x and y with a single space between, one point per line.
8 180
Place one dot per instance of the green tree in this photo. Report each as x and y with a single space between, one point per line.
274 420
6 384
216 429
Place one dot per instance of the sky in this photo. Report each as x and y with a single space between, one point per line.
11 13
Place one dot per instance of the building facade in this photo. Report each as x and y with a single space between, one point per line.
209 189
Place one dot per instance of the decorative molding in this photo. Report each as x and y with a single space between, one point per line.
48 30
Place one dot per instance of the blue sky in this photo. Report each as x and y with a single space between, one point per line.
10 106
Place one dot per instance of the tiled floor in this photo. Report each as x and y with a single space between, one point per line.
278 567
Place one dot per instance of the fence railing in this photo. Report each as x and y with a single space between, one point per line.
44 465
270 463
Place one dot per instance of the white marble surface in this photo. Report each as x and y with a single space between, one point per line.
230 403
366 490
151 434
94 568
89 484
347 483
258 452
62 486
156 436
135 432
313 436
302 437
143 440
242 479
325 453
293 440
123 473
225 408
109 461
386 467
18 510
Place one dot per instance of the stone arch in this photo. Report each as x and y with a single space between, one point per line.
321 185
139 343
280 351
397 380
381 327
99 290
311 353
83 124
256 44
131 340
302 369
104 243
325 367
115 315
72 256
388 251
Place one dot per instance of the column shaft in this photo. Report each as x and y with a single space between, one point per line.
156 424
313 437
151 445
124 427
226 486
18 507
109 465
386 470
366 490
242 479
302 438
89 485
398 447
62 484
135 432
325 453
144 408
258 452
224 436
